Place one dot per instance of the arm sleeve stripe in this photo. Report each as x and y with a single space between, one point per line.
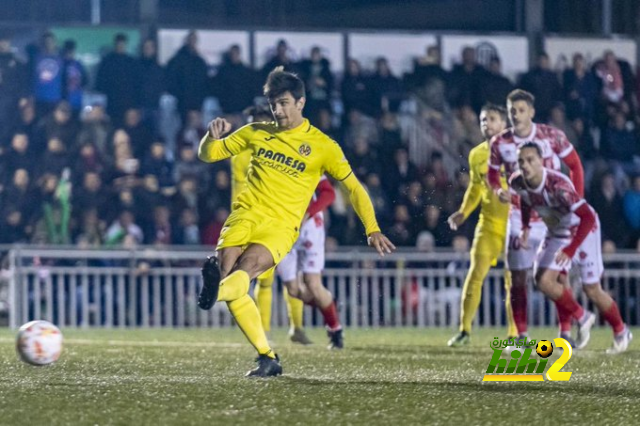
350 173
566 152
577 205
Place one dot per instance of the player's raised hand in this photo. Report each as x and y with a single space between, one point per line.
455 220
504 196
381 243
219 127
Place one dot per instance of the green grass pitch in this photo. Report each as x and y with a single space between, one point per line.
387 376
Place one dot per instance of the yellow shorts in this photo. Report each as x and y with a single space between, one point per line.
488 243
244 227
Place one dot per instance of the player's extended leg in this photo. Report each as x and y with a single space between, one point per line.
519 300
512 330
471 295
610 312
564 316
550 284
295 310
234 289
263 295
323 300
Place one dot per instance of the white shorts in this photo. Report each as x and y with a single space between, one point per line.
518 258
307 254
588 257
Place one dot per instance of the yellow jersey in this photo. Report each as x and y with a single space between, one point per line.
493 214
239 168
285 168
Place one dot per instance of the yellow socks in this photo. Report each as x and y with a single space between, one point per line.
246 314
472 290
512 330
263 294
234 286
295 308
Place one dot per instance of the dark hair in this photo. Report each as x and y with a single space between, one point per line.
497 109
532 145
280 81
69 45
120 37
521 95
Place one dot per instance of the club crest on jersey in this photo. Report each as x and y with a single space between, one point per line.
304 150
508 153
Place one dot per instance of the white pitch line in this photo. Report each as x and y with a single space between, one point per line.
162 344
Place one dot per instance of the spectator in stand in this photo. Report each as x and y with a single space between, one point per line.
13 227
141 135
187 232
615 78
95 129
386 88
152 83
19 196
121 228
428 68
211 228
632 208
119 79
88 160
362 160
435 223
544 84
558 119
160 231
192 131
608 203
18 156
58 124
281 58
494 86
379 199
13 87
401 231
465 80
90 195
47 68
356 92
188 165
318 80
360 125
584 142
235 84
399 172
619 146
27 122
148 196
580 90
53 223
55 159
90 229
414 201
157 164
188 76
325 125
186 197
74 77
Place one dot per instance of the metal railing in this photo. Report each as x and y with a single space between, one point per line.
149 287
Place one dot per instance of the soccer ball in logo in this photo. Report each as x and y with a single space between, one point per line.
544 348
39 343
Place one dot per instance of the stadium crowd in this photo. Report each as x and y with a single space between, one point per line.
101 174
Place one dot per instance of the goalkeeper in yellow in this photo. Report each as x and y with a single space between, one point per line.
490 234
288 157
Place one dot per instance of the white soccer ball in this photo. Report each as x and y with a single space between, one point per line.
39 343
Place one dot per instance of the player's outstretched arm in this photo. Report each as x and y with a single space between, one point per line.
212 148
364 208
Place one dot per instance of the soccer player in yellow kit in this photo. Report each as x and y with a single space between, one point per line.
288 157
490 234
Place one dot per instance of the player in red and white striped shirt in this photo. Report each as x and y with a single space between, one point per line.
573 235
307 256
556 149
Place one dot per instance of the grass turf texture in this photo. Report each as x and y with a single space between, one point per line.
387 376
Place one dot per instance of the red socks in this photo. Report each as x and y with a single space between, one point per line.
569 304
564 318
612 316
331 319
519 307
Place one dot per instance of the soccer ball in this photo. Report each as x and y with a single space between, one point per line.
544 348
39 343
